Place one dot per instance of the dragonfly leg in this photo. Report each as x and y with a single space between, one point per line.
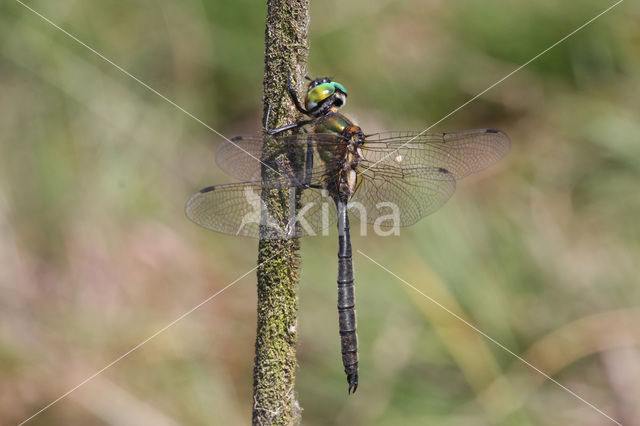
294 97
282 128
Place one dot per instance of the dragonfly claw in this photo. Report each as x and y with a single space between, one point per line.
352 378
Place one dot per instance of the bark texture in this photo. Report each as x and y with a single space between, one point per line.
274 396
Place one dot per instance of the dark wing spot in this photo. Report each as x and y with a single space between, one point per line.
493 131
443 170
207 189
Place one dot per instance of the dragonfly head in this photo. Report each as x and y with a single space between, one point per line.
324 94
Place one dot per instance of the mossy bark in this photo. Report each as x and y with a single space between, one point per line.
274 398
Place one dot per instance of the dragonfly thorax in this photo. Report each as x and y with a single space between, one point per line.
342 164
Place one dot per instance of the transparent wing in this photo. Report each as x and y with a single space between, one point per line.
242 157
238 209
412 172
460 153
401 202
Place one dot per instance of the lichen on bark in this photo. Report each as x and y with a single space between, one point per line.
274 397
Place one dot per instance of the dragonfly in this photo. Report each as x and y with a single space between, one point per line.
332 171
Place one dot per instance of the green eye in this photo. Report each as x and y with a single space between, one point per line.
320 92
340 87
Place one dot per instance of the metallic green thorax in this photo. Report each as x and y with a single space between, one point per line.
333 123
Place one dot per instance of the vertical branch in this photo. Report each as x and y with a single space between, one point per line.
275 400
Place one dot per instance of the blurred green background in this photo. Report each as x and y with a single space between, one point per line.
541 251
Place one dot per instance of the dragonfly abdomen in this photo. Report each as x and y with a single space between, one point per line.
347 321
347 300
